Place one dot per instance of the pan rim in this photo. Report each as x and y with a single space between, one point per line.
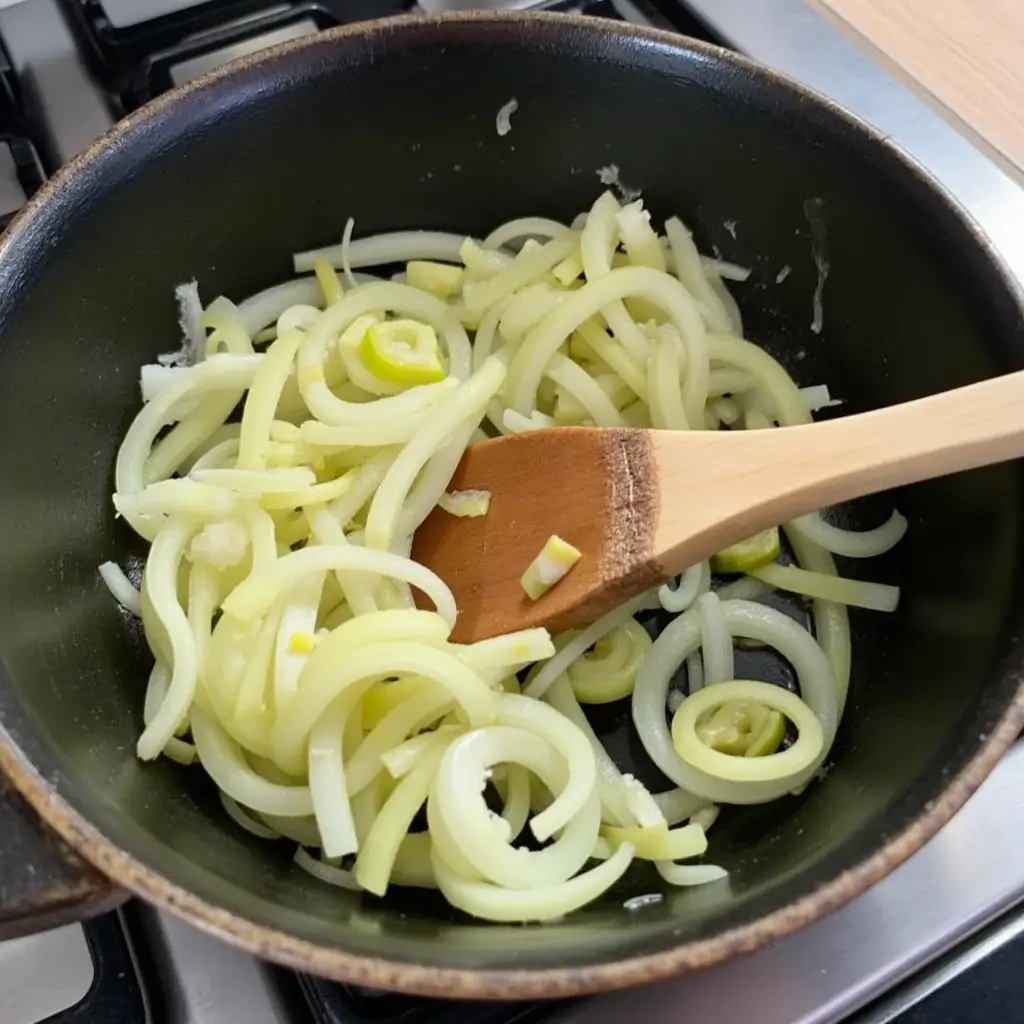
465 983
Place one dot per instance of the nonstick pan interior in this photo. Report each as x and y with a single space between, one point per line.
396 127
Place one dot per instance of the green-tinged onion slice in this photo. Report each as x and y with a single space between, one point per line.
789 763
748 554
402 352
742 729
608 671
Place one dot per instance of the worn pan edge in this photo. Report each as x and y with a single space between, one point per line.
451 983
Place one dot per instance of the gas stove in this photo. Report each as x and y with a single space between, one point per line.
941 940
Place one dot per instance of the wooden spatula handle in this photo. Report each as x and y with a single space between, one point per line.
761 478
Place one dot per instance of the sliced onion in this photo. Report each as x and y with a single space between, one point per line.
543 720
327 873
690 874
695 581
224 762
391 826
850 543
246 821
459 817
879 597
121 587
715 640
541 903
679 639
790 764
555 666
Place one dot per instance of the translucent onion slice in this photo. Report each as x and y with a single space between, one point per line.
246 821
413 864
156 690
608 672
256 482
690 874
715 640
695 581
390 247
851 543
690 271
380 849
327 675
660 843
664 395
679 639
180 497
255 595
224 762
418 712
524 269
326 873
401 759
877 597
527 367
464 830
598 242
121 588
225 372
299 830
580 643
543 720
773 382
168 629
262 309
542 903
524 227
508 652
678 805
790 764
467 403
328 407
327 780
263 398
614 806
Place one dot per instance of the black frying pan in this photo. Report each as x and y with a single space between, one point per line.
395 124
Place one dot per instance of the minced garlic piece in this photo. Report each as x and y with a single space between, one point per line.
556 558
466 503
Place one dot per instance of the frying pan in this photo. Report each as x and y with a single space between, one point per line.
394 123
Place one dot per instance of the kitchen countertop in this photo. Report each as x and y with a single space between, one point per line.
791 37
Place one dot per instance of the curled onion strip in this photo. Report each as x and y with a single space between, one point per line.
225 763
694 582
169 621
789 764
459 817
527 367
380 849
543 903
851 543
326 676
121 587
680 638
553 668
715 640
537 717
255 595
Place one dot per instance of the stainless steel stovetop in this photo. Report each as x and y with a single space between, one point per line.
949 911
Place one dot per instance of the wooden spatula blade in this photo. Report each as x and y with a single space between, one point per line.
591 487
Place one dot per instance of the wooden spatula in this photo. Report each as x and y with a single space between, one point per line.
643 505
